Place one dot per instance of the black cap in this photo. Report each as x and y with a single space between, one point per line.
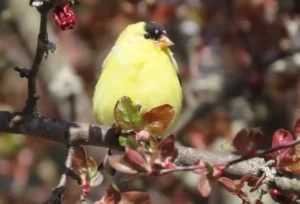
154 31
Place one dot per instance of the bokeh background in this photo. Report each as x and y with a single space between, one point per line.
239 62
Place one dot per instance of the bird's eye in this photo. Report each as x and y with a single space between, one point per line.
147 36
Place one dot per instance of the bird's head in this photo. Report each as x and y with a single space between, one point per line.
149 31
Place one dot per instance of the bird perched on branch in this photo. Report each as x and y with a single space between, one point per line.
140 66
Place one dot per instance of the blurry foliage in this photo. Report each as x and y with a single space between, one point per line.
226 49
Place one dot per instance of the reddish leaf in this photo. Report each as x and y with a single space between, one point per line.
245 178
80 162
92 165
167 148
297 133
252 181
241 141
169 165
112 195
297 128
295 168
282 137
227 183
134 197
158 118
281 197
118 163
255 135
134 159
297 149
240 185
127 114
288 160
204 186
218 170
258 183
80 158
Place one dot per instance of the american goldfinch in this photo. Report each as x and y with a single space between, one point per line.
140 66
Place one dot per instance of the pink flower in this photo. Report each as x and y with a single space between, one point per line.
64 16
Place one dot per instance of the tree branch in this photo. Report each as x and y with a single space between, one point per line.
56 72
29 122
67 132
42 48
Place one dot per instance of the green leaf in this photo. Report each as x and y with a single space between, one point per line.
153 144
93 174
131 142
122 141
115 187
227 147
10 143
96 178
209 167
127 114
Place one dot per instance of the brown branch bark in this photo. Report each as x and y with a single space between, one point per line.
67 132
40 51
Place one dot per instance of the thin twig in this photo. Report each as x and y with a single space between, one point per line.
40 51
57 193
181 168
263 153
266 179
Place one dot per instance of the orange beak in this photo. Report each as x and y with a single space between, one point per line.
164 42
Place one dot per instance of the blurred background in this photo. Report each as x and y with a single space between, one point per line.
239 62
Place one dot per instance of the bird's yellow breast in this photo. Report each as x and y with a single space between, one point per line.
141 71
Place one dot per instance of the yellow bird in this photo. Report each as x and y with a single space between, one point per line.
140 66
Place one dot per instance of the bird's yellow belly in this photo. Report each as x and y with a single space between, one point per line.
151 91
149 95
150 83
